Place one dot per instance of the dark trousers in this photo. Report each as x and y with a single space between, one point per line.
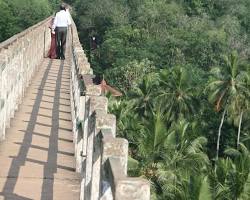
61 36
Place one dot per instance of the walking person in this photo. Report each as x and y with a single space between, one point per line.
52 50
60 25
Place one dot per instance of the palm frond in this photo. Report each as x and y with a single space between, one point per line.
245 194
205 190
231 152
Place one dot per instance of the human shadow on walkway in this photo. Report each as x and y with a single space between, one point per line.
50 167
19 160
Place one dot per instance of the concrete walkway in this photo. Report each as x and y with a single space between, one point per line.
37 157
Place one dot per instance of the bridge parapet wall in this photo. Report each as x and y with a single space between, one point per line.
101 157
19 57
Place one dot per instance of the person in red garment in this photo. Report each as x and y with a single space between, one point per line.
52 50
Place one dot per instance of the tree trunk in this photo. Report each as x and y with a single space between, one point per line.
238 138
219 134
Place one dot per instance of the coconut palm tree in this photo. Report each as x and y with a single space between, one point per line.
238 107
152 140
218 178
170 157
177 93
142 97
229 180
238 180
227 88
240 92
128 122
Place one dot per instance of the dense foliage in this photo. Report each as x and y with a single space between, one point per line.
17 15
183 67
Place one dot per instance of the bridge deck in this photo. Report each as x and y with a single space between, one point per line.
37 157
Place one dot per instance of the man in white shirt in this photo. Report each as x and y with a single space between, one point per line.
61 22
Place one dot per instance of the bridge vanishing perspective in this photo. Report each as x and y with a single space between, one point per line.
57 139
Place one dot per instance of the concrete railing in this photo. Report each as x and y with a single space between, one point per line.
19 58
101 158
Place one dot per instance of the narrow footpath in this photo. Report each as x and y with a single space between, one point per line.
37 157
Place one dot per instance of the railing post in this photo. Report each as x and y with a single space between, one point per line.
103 121
124 187
115 148
100 156
96 103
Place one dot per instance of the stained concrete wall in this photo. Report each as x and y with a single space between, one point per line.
19 58
101 157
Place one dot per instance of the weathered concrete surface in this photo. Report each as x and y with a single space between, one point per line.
37 157
95 139
20 57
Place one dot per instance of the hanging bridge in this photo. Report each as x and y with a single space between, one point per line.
57 140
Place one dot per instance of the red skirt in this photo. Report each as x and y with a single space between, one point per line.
52 50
